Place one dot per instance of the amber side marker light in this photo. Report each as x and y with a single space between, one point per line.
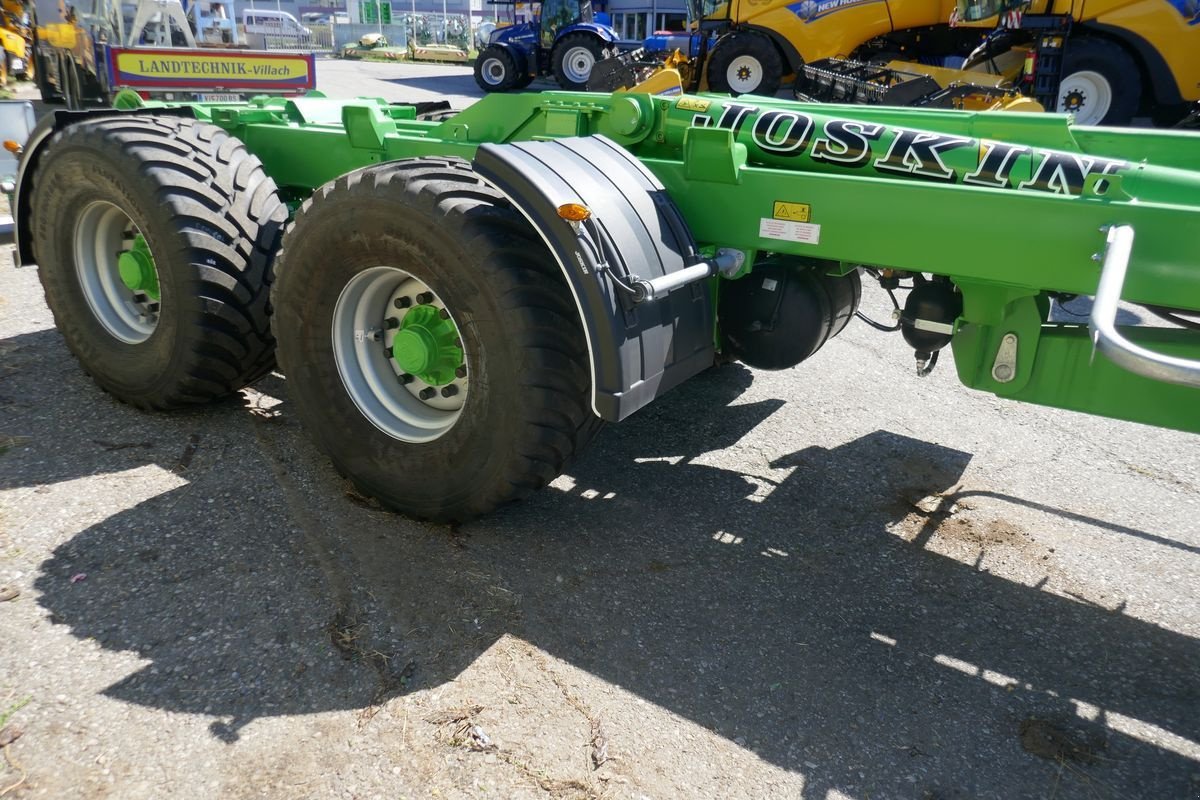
572 212
13 147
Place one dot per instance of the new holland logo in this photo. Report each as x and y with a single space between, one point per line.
811 10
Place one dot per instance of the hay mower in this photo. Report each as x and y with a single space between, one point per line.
457 305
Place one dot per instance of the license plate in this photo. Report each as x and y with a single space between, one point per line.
219 98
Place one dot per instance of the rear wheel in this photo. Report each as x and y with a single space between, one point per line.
573 59
439 360
154 238
1100 84
745 62
495 70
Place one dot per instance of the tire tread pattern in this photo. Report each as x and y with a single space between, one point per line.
227 214
555 417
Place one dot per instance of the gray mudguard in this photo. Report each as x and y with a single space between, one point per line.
637 351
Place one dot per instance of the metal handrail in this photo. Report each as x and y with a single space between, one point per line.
1102 322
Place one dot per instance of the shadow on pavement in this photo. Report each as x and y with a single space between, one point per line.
801 618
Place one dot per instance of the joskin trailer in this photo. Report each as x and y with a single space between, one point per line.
458 305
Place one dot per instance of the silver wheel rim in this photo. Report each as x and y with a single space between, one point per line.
1091 90
744 74
578 63
361 343
493 71
102 232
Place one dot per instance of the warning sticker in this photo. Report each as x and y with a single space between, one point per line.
789 231
692 104
795 212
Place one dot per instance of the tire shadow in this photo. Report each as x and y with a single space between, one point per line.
801 617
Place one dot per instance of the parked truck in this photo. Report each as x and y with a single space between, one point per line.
458 305
91 54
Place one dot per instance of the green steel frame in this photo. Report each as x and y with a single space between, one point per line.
1011 207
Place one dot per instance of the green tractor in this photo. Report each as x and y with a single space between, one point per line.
459 304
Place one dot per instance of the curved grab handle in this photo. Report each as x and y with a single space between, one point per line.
1102 322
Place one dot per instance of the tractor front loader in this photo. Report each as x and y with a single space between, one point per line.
458 305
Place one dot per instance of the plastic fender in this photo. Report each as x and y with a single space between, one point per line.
47 126
603 31
636 352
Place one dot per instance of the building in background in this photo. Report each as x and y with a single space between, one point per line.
632 19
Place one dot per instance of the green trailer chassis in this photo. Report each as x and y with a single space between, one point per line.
688 196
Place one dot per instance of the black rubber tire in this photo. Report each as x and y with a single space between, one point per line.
565 45
527 411
750 45
213 221
495 55
1115 65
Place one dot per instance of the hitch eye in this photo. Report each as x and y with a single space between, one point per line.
574 212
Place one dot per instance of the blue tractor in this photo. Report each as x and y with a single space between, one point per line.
564 40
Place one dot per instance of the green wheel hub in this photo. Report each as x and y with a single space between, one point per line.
136 266
427 346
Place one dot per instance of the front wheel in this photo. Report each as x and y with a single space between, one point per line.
1100 84
745 62
438 359
495 70
573 59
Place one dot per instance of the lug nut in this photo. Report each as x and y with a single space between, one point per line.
139 297
427 393
402 302
449 391
444 314
152 308
425 298
391 323
460 372
405 378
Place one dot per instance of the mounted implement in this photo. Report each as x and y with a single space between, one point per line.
458 304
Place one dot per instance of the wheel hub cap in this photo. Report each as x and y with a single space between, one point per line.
136 267
425 346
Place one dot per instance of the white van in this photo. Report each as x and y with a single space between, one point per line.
274 23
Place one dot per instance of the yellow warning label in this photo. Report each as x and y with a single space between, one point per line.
794 212
693 104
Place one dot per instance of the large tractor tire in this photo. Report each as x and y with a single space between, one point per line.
439 359
574 57
495 70
1100 83
745 62
155 239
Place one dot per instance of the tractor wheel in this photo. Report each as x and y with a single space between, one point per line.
745 62
495 70
439 359
155 238
573 59
1100 84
